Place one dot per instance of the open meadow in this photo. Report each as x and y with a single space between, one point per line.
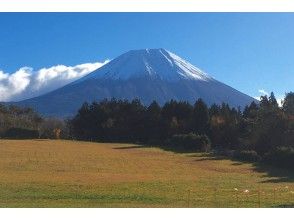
59 173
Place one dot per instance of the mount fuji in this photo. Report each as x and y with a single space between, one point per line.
149 74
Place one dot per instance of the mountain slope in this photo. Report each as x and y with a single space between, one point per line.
155 74
152 63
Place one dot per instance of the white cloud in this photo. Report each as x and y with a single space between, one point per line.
27 83
279 98
263 92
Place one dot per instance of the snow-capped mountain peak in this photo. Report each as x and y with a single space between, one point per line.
153 63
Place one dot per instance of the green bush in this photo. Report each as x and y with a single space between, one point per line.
21 133
190 142
281 157
247 155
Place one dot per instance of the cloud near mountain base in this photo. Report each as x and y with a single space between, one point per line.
26 83
263 92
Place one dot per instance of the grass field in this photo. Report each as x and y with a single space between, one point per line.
47 173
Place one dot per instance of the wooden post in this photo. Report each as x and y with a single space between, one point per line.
275 196
189 194
215 203
258 197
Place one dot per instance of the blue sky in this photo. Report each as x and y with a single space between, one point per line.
248 51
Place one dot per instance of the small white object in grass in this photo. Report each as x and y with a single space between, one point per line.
235 189
246 191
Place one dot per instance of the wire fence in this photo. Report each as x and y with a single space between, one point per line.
239 198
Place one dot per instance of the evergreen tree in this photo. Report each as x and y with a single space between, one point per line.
264 102
288 103
250 111
153 123
272 100
200 118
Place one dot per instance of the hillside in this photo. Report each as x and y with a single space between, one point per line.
44 173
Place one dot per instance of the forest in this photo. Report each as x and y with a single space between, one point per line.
261 132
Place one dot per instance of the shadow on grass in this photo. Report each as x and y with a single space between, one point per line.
209 158
142 145
129 147
276 175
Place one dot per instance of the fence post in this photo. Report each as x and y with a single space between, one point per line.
258 197
215 202
189 194
275 196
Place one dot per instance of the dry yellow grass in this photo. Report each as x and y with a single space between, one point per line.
47 173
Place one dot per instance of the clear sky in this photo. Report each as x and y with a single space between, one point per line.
248 51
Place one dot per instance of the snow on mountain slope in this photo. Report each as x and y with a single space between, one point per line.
153 63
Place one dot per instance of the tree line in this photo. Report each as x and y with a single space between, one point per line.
262 131
24 123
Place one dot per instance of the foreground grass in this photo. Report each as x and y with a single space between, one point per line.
46 173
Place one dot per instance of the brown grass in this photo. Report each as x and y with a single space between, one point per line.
47 173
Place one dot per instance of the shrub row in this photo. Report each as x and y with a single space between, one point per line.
21 133
247 155
242 155
282 157
189 142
